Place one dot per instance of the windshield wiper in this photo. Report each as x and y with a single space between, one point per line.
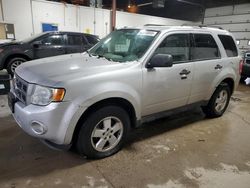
102 56
88 53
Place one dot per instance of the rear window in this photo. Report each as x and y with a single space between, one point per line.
205 47
229 45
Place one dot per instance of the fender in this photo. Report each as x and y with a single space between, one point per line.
78 107
10 55
228 72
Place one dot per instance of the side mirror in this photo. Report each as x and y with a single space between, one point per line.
160 60
36 44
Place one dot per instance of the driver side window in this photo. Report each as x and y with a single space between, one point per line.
53 40
176 45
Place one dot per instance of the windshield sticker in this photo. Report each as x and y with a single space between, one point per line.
147 33
122 47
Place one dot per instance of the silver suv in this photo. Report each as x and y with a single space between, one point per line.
92 100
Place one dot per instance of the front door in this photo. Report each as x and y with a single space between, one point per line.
166 88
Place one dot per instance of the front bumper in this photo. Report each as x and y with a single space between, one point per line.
53 118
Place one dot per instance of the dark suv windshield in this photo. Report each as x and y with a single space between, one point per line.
124 45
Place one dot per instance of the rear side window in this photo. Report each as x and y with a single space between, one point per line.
204 47
92 39
229 45
75 40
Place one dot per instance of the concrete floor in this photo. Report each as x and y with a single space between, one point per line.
185 150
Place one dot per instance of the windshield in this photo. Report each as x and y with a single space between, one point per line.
30 39
124 45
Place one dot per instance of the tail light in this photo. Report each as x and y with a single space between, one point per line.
241 66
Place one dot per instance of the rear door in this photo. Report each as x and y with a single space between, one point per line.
51 45
232 58
208 64
76 43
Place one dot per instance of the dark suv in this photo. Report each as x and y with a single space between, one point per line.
246 67
43 45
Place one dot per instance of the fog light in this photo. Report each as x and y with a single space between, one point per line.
38 128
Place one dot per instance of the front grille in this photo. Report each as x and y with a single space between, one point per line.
21 88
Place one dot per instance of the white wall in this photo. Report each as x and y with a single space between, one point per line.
18 12
127 19
236 19
70 17
47 12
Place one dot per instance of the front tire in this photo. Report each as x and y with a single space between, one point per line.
103 133
219 101
14 63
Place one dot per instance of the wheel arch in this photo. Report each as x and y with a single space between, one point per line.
116 101
227 77
230 83
11 56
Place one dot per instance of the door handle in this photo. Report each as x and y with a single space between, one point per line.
185 72
218 67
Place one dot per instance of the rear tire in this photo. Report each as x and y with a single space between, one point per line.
103 133
219 101
14 63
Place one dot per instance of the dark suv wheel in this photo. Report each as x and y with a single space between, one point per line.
103 133
14 63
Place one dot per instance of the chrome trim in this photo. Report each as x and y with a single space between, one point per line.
21 89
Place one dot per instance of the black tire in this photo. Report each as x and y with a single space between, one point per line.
84 142
12 62
210 109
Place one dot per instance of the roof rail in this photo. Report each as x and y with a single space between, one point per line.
155 25
213 26
200 26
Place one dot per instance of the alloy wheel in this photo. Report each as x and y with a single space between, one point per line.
15 64
221 101
107 134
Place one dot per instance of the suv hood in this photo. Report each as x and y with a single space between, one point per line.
55 70
12 43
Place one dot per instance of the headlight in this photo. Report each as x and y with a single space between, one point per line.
13 82
45 95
